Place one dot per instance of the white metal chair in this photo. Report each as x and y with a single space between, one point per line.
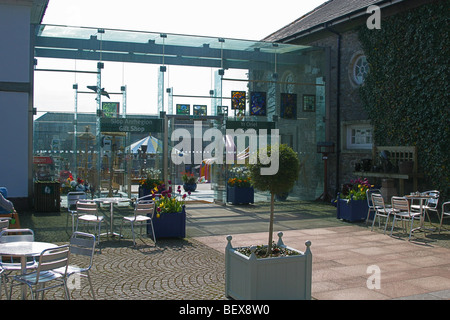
380 210
12 235
88 213
72 199
49 260
143 214
4 224
430 205
2 282
401 211
370 206
445 212
82 248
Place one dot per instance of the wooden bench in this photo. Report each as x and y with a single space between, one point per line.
397 154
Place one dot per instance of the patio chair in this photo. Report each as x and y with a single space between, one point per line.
401 211
72 199
12 235
445 212
4 224
88 213
143 214
369 193
431 204
2 282
82 249
49 260
380 210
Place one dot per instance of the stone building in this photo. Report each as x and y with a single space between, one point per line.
335 25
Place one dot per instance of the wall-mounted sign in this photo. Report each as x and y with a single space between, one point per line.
131 125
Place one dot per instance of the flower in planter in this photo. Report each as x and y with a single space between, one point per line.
240 179
188 178
150 183
355 190
167 201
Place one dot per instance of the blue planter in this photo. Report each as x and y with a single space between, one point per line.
354 210
169 225
190 187
237 195
144 191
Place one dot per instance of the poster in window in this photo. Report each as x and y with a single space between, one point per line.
238 100
110 109
258 103
183 109
309 103
288 106
199 110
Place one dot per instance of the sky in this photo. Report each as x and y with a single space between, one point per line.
238 19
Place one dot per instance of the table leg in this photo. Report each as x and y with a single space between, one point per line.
23 266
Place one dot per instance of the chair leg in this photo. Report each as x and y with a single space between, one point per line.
132 232
90 284
374 218
385 225
153 232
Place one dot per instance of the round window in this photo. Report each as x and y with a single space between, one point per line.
360 69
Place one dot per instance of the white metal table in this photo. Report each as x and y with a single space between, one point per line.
23 250
112 201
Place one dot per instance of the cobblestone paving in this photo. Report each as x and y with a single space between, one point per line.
173 270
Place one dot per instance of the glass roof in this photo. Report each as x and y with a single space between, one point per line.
59 41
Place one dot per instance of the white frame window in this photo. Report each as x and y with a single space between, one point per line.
359 136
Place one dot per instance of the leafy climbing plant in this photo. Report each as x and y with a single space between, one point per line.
406 93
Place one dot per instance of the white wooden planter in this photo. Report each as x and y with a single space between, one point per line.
276 278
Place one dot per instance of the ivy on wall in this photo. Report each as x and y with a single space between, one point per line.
406 93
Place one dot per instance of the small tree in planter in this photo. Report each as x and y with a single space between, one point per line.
286 274
280 182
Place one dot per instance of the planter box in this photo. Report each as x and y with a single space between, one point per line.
277 278
169 225
237 195
354 210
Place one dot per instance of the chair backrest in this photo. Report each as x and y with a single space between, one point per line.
400 204
446 208
378 201
53 258
83 244
369 193
87 207
4 224
73 197
433 202
13 235
144 208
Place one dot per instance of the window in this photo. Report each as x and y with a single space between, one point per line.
359 137
360 69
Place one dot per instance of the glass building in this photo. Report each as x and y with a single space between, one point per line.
225 84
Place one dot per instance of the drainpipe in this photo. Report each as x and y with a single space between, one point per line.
338 106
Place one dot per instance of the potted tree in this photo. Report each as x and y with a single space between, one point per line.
270 271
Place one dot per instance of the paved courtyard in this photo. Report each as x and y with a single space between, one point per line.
193 268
